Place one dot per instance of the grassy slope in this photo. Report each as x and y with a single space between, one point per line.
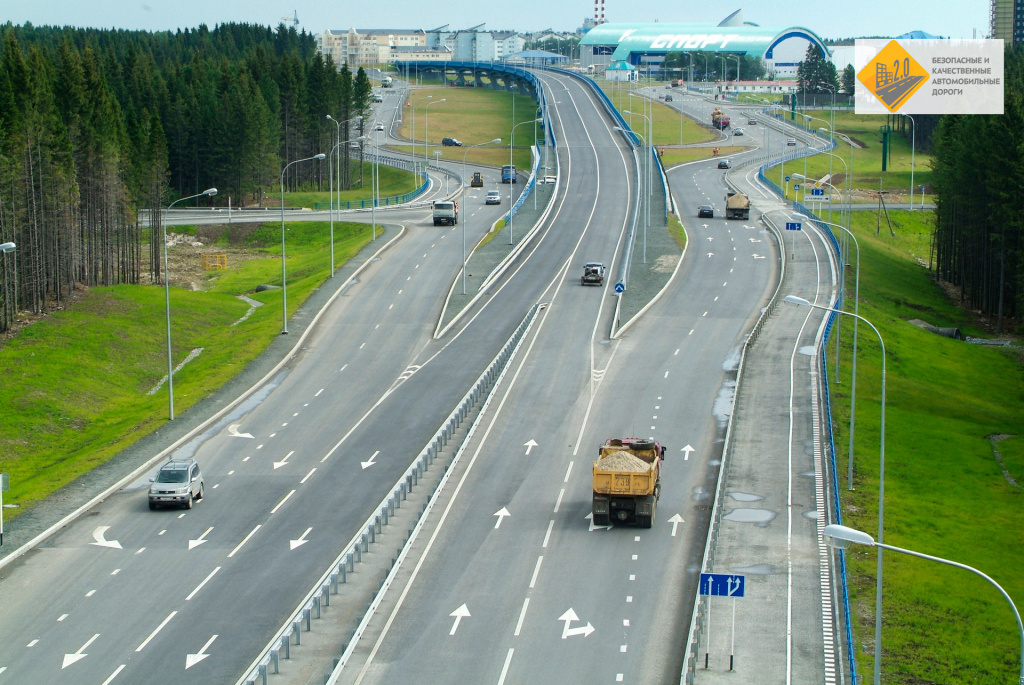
75 383
945 493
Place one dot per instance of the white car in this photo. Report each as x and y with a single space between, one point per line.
378 127
493 197
790 141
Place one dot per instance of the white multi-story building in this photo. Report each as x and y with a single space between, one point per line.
359 47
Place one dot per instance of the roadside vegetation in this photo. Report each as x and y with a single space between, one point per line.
72 401
670 128
949 406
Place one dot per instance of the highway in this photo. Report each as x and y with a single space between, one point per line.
540 594
127 595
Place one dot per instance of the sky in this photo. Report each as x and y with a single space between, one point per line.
829 19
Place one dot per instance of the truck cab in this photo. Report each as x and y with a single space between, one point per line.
593 274
446 212
508 174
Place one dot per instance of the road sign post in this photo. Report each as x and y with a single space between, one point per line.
793 226
5 485
722 585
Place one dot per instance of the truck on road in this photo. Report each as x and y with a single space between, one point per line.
446 212
737 206
508 174
719 120
627 481
386 82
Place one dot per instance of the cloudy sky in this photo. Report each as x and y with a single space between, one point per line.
830 19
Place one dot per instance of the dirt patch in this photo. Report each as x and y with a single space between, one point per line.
185 252
666 263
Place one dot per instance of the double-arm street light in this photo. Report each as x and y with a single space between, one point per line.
284 273
336 155
167 298
842 537
792 299
511 143
426 130
465 212
647 163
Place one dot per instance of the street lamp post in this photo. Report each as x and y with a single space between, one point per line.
334 161
853 370
426 129
4 249
167 299
648 177
465 212
841 537
792 299
284 272
511 145
913 133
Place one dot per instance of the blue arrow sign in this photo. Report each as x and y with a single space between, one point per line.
787 179
722 584
817 191
793 226
619 287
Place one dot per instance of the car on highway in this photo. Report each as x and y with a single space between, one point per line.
790 141
378 126
549 179
724 164
705 211
668 97
493 197
177 483
737 131
751 122
377 97
450 142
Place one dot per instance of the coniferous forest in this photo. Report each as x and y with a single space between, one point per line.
96 125
979 222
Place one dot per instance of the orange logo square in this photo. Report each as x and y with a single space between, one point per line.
893 75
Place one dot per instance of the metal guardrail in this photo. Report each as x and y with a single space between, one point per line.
337 573
381 201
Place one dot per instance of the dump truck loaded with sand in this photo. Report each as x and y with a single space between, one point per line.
627 481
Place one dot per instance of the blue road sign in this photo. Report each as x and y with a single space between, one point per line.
619 288
722 584
787 179
793 226
817 191
796 186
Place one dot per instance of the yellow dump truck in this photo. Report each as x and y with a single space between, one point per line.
627 481
737 206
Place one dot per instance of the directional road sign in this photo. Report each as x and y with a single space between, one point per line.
787 179
722 584
793 226
619 287
817 191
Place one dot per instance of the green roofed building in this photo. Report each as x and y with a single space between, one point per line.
638 44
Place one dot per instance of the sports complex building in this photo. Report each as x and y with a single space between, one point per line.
622 47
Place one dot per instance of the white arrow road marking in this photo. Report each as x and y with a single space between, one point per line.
501 514
279 464
757 256
590 516
568 632
193 659
529 446
711 254
98 534
292 544
754 240
687 449
368 464
72 658
675 521
192 544
459 614
704 225
233 432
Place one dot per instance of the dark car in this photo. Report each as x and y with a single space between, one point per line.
706 211
451 142
724 164
668 97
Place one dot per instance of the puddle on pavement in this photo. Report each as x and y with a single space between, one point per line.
812 514
745 497
760 517
809 350
755 570
722 408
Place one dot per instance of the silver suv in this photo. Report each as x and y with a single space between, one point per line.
178 483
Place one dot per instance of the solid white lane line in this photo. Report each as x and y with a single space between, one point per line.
62 617
536 570
522 615
274 510
244 540
558 502
200 586
504 669
153 634
114 674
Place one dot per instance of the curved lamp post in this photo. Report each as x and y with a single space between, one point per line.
842 537
284 274
426 130
511 142
335 161
647 162
792 299
167 299
465 218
